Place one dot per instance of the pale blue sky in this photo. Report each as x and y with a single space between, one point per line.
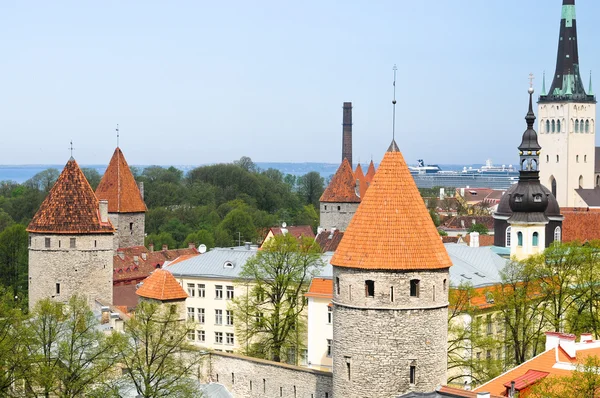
194 82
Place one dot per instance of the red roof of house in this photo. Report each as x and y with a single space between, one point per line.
161 285
296 231
580 225
119 187
484 240
320 288
329 240
342 188
71 207
132 264
527 379
392 228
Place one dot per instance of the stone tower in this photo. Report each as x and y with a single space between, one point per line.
347 133
390 292
71 242
340 199
126 208
567 120
528 217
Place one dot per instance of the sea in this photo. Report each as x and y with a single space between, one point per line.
21 173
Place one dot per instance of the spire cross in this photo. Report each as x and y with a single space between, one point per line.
71 148
117 129
394 104
531 80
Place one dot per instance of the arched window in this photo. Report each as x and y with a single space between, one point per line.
547 126
557 234
534 165
553 186
519 238
507 237
558 126
577 158
557 158
535 239
553 126
597 181
577 125
587 126
584 158
547 158
414 288
580 181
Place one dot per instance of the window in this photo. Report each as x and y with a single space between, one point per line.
201 336
47 242
547 158
329 314
219 292
190 312
557 234
537 198
488 323
59 243
519 238
329 341
414 288
229 338
577 158
507 236
392 294
553 182
57 289
229 292
191 335
232 378
30 241
444 283
553 126
580 181
131 227
201 290
218 317
200 315
337 282
219 337
229 318
488 355
433 292
547 126
518 198
259 318
349 292
558 126
348 361
339 208
535 239
191 289
72 243
587 126
369 288
325 207
264 385
584 158
557 158
577 125
412 374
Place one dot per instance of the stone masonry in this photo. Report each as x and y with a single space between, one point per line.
378 339
60 270
337 215
130 229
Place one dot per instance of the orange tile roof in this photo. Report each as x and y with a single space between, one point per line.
530 377
580 225
342 188
119 187
320 288
161 285
358 173
391 228
456 392
71 206
362 181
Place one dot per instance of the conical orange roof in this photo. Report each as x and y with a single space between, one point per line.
342 188
358 173
361 179
392 229
71 206
161 285
370 172
119 188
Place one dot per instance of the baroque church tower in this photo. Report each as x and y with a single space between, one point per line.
71 243
567 120
390 300
126 207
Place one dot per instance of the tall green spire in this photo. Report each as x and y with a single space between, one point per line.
544 83
590 91
568 82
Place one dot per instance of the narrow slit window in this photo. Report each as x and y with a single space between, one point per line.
57 288
392 294
414 288
369 288
413 374
337 285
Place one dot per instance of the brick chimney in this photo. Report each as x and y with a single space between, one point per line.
347 133
103 208
151 247
165 247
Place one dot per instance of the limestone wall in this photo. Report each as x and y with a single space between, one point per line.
337 215
251 377
85 269
130 229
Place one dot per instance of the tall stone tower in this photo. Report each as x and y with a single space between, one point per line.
71 242
126 207
390 292
347 133
567 120
340 199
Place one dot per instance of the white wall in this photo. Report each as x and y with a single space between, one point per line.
319 330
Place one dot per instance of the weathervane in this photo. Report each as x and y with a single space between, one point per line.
394 105
71 148
531 80
117 135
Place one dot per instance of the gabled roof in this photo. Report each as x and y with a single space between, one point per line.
71 207
529 378
161 285
370 172
392 228
119 187
329 240
342 188
591 197
296 231
320 288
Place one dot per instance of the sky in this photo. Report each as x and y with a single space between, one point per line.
196 82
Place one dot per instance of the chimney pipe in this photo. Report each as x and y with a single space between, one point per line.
151 247
347 133
165 247
141 188
103 208
474 239
191 245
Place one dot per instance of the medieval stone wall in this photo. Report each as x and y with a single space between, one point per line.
130 229
337 215
252 377
378 339
85 269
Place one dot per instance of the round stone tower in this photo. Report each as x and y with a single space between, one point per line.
390 292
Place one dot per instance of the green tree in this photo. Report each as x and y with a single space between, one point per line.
223 238
307 216
44 180
583 382
5 220
202 237
177 229
481 228
246 163
159 240
14 260
277 278
13 354
92 176
239 224
158 359
310 188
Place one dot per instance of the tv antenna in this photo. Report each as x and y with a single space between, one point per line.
71 149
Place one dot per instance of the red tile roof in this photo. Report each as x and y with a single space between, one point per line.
320 288
161 285
71 207
391 228
133 264
119 187
580 225
484 240
527 379
361 180
342 188
456 392
329 240
296 231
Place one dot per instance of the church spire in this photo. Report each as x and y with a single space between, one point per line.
566 83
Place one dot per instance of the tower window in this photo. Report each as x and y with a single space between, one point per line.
537 198
444 285
577 158
72 243
580 181
507 237
329 314
348 366
584 158
553 126
519 238
433 292
339 208
57 289
337 285
547 126
557 158
369 288
47 242
587 126
557 234
329 343
535 239
547 158
414 288
553 185
325 207
577 125
392 294
558 126
413 374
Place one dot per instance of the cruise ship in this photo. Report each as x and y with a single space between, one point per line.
488 176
